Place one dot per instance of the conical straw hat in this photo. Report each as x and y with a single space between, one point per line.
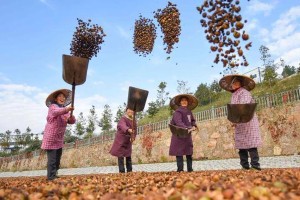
247 82
51 98
175 101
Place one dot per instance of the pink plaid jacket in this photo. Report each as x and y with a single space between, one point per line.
247 135
57 121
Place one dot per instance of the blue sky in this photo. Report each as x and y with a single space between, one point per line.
36 33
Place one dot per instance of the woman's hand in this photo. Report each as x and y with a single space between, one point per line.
130 131
70 108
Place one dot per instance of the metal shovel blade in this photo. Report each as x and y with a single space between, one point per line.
74 69
241 113
179 131
136 99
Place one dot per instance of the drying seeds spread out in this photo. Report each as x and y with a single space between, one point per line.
144 36
87 39
224 30
169 21
268 184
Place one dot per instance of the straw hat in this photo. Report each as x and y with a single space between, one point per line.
247 82
51 98
175 101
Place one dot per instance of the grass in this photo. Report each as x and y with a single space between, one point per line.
261 89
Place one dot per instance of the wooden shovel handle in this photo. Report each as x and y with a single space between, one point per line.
73 96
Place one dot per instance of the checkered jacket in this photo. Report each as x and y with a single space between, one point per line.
57 120
247 135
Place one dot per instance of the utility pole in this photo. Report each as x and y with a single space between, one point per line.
259 74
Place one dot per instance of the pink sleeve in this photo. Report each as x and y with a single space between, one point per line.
55 111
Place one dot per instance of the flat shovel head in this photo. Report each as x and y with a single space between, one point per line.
241 113
74 69
179 131
136 99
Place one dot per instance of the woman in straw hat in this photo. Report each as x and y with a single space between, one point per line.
122 146
57 119
183 117
247 135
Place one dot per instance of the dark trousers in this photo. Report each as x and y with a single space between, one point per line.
54 156
189 162
121 164
253 156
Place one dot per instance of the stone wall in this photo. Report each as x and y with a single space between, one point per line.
280 130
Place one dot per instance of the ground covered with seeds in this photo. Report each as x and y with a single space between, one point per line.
202 185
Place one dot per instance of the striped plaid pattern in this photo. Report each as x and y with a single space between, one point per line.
247 135
57 120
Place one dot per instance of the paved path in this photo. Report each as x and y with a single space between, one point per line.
266 162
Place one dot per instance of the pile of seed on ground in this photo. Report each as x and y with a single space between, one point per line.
168 19
144 36
275 184
87 39
224 30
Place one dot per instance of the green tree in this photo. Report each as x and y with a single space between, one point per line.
265 56
35 144
106 119
120 112
288 70
5 139
92 121
162 94
139 115
203 94
270 75
18 138
182 87
152 109
215 87
69 137
80 125
28 137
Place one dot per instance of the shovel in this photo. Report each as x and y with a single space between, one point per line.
74 72
136 101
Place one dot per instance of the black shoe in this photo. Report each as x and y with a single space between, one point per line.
246 168
256 168
51 179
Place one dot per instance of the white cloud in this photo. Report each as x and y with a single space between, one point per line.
258 6
125 85
264 34
85 104
292 57
24 106
157 60
4 78
283 45
97 83
45 2
251 25
54 68
283 40
11 88
287 24
124 33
